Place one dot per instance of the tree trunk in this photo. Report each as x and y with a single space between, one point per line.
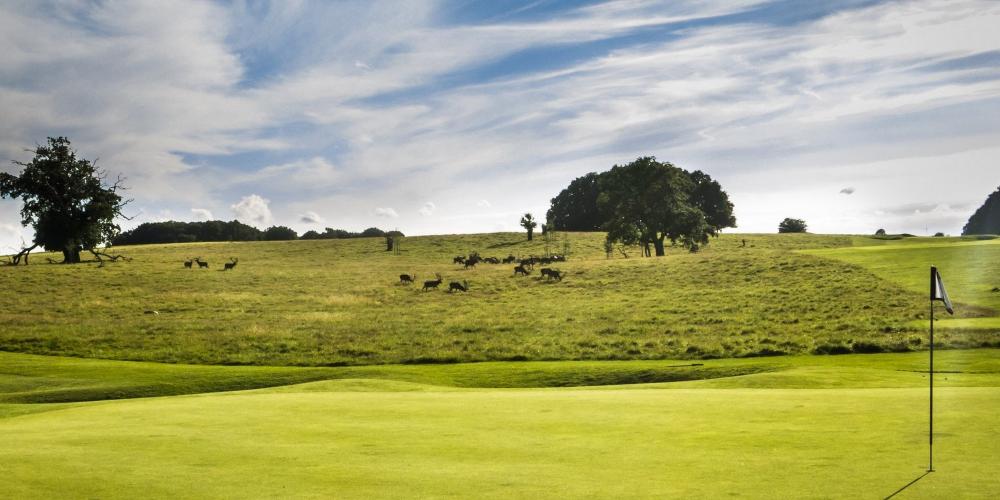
71 255
388 244
658 245
529 234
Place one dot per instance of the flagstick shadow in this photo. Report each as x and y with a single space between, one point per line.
911 483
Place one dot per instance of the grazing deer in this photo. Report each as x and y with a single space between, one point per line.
551 273
523 271
187 263
406 279
462 287
230 265
458 260
433 283
510 259
471 263
492 260
202 264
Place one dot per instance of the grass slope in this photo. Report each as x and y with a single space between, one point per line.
820 427
969 268
337 302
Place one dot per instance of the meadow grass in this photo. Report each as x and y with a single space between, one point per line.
813 427
338 302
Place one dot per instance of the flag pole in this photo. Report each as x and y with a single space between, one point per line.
930 430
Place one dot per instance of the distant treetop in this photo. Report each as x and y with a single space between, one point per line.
986 220
790 225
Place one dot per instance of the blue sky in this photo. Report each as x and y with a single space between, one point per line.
457 116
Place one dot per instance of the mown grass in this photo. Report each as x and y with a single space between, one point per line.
338 302
809 427
33 379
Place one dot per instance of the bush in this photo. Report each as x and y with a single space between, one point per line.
867 348
832 349
938 235
880 232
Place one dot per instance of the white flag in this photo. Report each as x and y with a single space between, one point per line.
937 290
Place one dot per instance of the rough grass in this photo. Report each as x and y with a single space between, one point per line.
338 302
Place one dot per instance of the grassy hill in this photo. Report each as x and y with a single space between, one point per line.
338 302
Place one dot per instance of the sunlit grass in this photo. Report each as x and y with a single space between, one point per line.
338 302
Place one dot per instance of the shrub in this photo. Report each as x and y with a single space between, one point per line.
832 349
866 348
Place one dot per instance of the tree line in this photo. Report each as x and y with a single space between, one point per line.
645 203
217 230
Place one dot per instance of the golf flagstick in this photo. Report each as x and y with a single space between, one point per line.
937 293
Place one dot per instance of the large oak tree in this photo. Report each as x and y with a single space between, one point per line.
645 202
66 200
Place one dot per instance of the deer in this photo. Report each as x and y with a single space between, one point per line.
202 264
462 287
187 263
433 283
551 273
231 264
523 271
470 263
458 260
510 259
407 279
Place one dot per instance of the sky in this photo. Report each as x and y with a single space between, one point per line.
458 116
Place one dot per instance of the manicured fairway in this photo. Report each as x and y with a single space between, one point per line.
812 427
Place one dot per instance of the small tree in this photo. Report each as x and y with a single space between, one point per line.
392 239
65 200
880 232
529 224
790 225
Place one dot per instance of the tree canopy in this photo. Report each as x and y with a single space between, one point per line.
645 203
65 199
986 220
188 232
790 225
279 233
575 208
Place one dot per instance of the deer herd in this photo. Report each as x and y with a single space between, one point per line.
524 267
204 265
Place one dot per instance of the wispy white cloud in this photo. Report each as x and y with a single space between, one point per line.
427 209
310 217
387 212
201 214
